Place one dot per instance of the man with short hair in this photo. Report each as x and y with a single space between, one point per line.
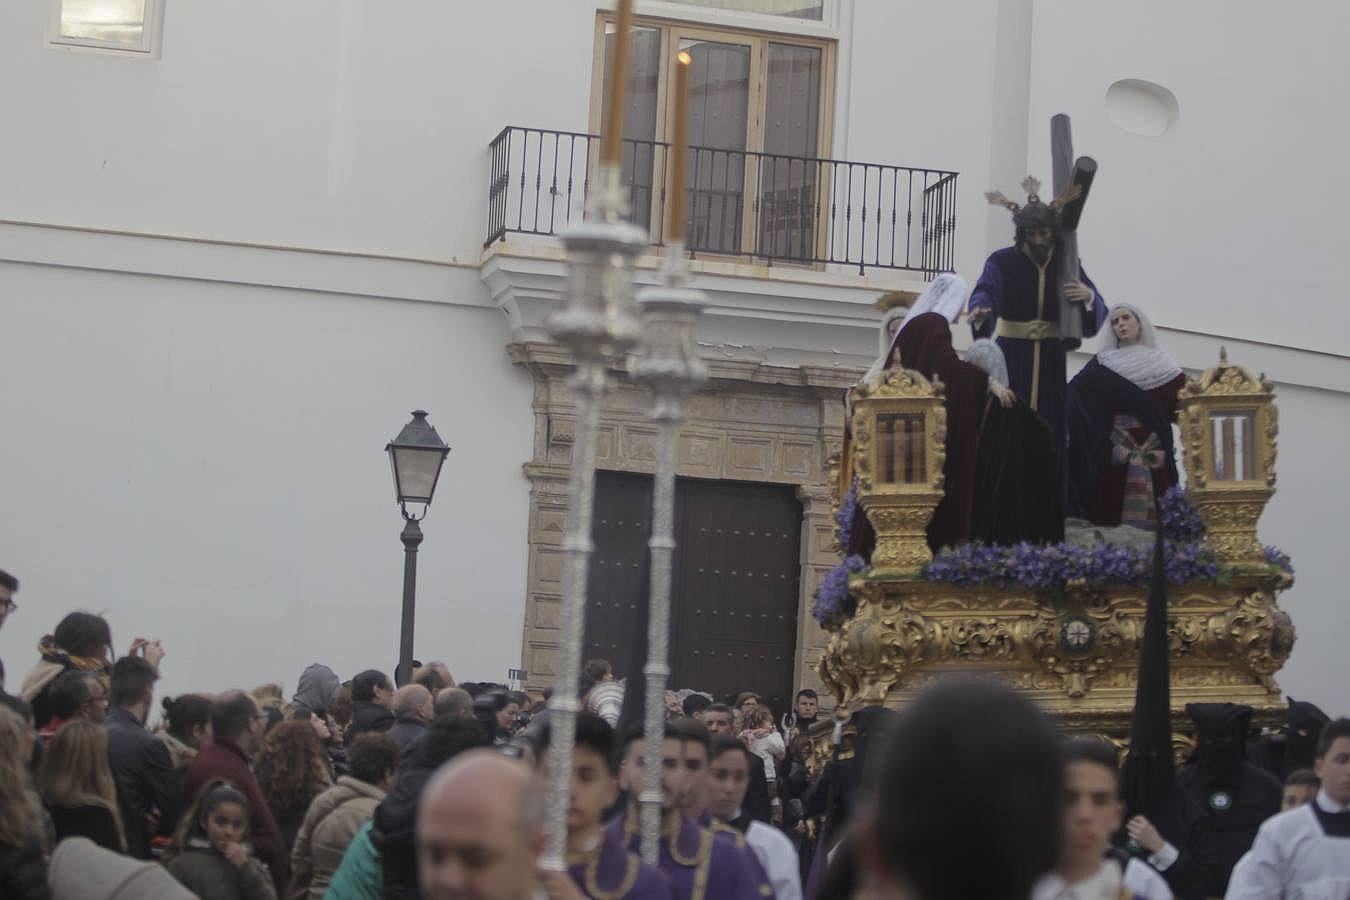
453 703
480 830
599 864
1305 852
1093 811
237 726
338 813
434 676
807 708
696 863
728 777
412 712
148 796
719 719
372 702
74 695
9 586
1300 787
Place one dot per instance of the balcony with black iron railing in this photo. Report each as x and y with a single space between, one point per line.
770 208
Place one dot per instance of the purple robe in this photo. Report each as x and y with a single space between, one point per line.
611 871
1015 289
736 838
698 864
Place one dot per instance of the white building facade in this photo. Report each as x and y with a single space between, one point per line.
234 256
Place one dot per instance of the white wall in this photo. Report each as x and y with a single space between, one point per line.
157 386
204 462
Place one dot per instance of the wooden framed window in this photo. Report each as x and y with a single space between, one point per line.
126 26
760 113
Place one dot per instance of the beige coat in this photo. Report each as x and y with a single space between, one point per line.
332 821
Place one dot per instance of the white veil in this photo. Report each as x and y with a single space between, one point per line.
1145 364
988 356
945 296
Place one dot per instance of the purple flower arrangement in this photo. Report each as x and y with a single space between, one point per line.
843 519
1054 567
834 603
1180 521
1279 559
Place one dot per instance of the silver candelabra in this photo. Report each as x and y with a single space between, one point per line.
599 327
670 365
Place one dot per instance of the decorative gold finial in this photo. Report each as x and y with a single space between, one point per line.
1223 355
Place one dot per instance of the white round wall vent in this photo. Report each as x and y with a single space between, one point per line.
1142 107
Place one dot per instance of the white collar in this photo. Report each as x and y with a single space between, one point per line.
1326 804
1104 885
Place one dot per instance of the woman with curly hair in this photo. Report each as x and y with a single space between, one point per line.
292 769
23 866
77 786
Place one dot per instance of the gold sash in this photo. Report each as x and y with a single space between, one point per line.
1035 330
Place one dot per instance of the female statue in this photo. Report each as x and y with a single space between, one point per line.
1120 412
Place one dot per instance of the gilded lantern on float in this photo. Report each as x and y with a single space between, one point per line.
899 434
1228 425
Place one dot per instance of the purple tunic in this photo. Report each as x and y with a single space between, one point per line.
610 872
1015 289
699 865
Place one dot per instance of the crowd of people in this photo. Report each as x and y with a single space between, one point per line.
360 788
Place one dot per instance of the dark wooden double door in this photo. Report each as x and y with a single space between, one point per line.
734 583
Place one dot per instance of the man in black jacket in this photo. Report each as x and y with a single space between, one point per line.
412 707
147 789
372 702
394 825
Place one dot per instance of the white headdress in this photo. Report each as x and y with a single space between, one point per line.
1144 364
945 296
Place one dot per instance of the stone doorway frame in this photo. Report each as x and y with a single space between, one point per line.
752 422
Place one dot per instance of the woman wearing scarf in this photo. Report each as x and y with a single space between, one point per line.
81 641
1120 412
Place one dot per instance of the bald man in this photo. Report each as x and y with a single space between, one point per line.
453 703
480 830
412 712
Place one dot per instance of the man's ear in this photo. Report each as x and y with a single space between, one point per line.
612 794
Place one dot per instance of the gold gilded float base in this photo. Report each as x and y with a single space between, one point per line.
1075 655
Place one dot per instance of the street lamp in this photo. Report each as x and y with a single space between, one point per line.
416 456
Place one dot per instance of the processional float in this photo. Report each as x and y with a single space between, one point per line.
1065 624
601 325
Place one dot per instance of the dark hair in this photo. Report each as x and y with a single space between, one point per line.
431 679
598 669
8 581
212 794
725 743
68 692
593 733
806 692
1340 728
743 696
969 744
1091 750
132 678
718 708
365 683
184 713
231 713
372 756
695 703
447 738
1303 778
83 634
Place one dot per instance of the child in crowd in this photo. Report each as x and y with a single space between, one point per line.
762 739
209 856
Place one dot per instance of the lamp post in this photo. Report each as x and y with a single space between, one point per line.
416 456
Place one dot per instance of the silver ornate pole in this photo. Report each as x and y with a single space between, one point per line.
598 326
670 365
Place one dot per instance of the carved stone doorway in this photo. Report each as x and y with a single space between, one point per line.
753 422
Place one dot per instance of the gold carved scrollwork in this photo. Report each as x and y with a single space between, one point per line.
873 651
1259 634
1049 639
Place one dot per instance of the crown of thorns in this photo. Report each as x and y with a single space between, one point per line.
1032 186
